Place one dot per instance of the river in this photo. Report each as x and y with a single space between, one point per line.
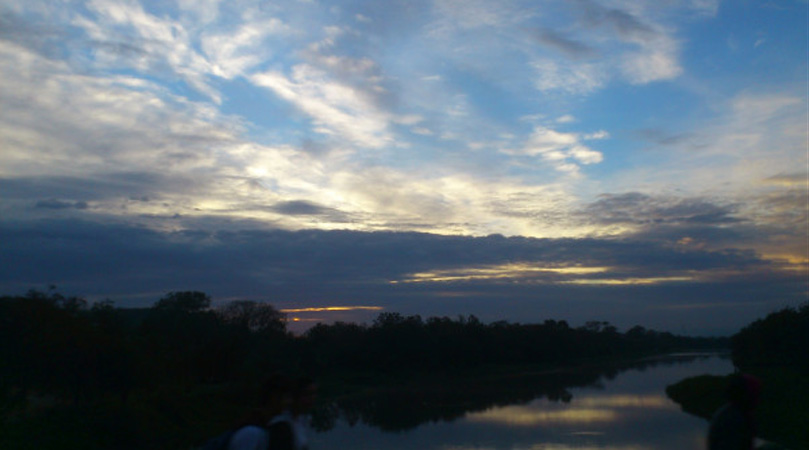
612 407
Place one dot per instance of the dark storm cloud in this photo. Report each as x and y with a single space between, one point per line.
135 266
339 257
570 47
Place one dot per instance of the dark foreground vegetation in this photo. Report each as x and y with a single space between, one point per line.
95 376
776 350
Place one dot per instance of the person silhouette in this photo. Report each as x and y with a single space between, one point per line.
254 432
287 429
279 424
733 426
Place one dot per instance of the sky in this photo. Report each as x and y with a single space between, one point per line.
631 161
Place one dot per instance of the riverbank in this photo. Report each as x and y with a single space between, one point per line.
782 415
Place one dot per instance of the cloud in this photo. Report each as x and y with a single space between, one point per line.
572 78
301 208
335 108
60 204
570 47
402 118
661 137
163 43
138 125
625 23
314 268
470 14
638 209
235 52
788 179
656 61
40 37
558 149
706 8
632 43
203 11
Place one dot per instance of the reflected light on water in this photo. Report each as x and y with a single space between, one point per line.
628 401
529 416
579 447
552 446
584 410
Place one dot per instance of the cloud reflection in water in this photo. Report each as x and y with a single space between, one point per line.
584 410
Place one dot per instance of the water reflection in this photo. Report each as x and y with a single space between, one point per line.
530 416
593 409
615 407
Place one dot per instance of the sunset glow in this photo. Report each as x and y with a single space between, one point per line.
510 159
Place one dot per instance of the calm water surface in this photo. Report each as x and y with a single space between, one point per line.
623 409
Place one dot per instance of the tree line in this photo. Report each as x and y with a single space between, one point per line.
779 339
60 345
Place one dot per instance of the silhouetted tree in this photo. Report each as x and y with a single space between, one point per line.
187 301
254 316
781 338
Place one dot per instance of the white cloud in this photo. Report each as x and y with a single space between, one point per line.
598 135
203 11
234 53
157 42
335 108
454 204
654 62
708 8
558 148
568 76
470 13
59 122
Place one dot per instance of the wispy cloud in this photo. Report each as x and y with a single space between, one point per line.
234 53
163 43
335 108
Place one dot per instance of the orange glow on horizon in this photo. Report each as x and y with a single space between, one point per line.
332 309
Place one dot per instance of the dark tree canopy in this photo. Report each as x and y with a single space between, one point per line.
781 338
187 301
255 316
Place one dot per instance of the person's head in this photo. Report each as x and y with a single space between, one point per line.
304 392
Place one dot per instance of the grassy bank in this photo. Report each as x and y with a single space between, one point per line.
782 416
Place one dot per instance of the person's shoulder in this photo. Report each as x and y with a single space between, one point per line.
250 437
